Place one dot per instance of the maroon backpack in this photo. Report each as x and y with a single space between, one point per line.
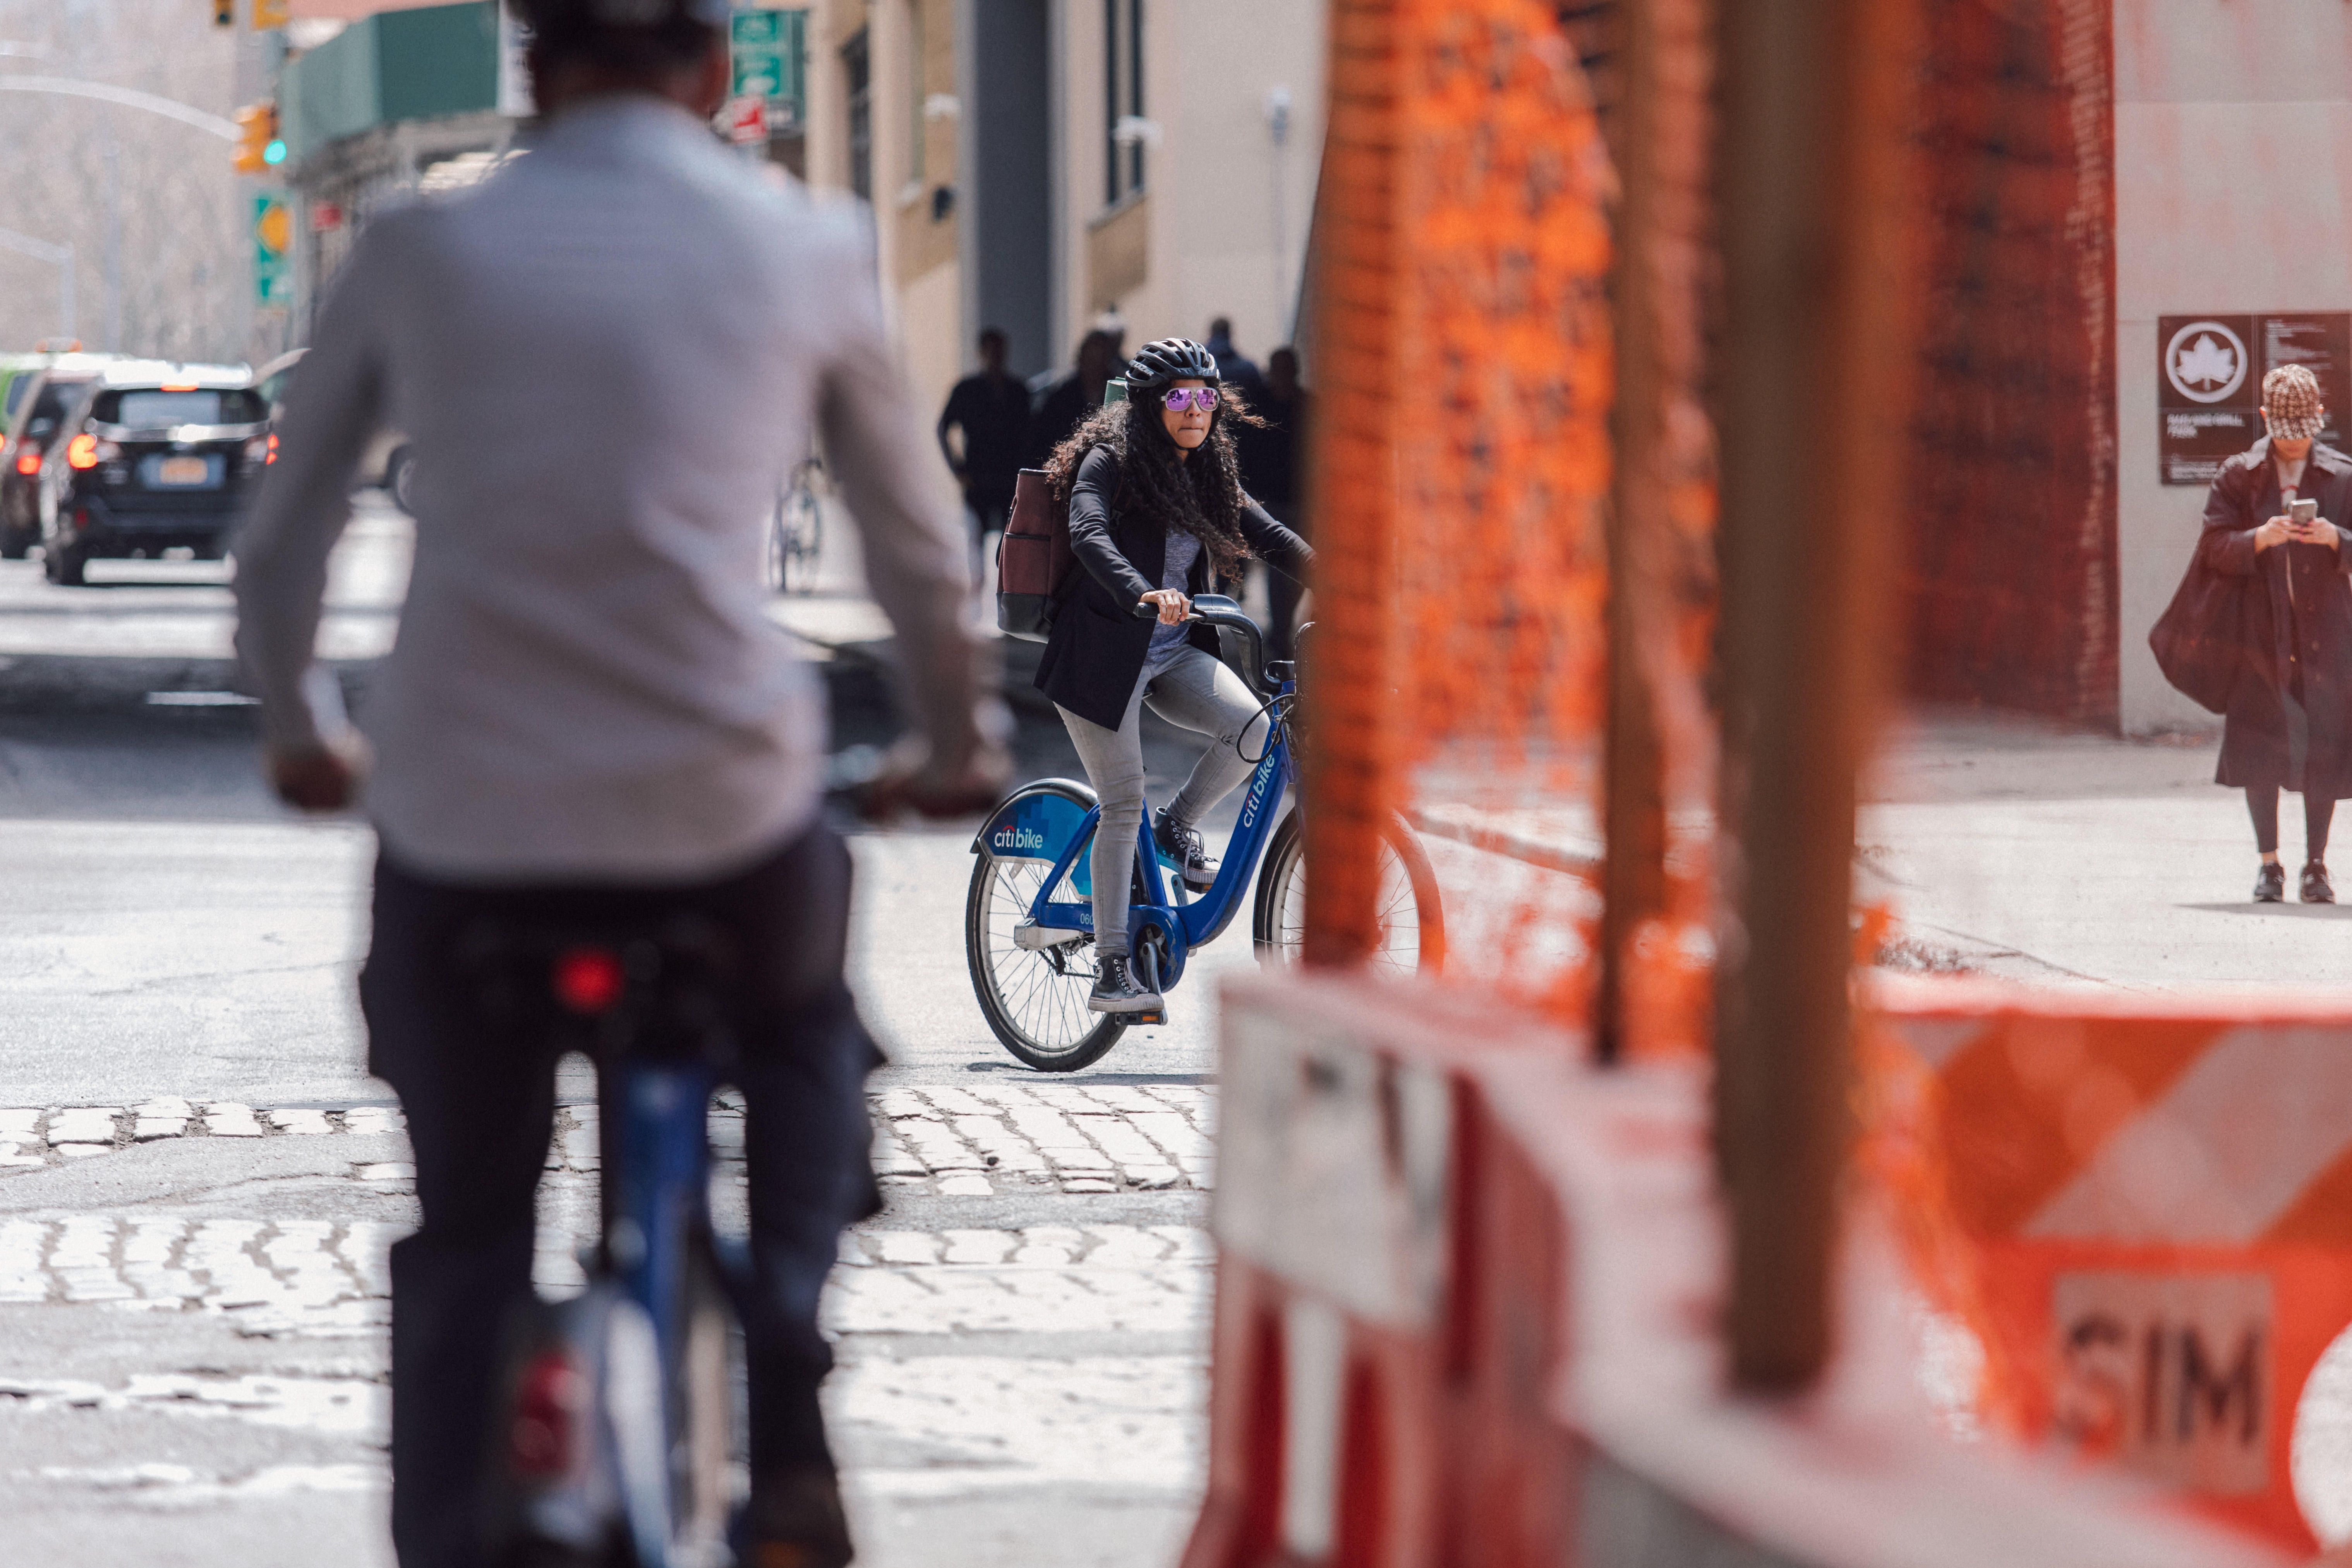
1033 562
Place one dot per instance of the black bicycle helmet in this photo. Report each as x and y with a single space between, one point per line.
1169 359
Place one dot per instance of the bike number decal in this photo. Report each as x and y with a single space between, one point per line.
1040 827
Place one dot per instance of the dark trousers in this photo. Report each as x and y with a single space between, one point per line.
481 1106
2318 816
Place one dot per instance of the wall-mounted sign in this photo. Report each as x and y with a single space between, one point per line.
770 49
2209 382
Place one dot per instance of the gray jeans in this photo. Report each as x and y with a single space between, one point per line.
1199 692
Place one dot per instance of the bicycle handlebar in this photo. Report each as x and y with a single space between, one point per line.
1217 610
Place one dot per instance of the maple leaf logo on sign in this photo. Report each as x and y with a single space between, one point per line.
2205 362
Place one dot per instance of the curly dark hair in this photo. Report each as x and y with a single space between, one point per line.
1201 495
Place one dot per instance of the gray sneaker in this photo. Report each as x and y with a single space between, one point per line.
1118 991
2270 883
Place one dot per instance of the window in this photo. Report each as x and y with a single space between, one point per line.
1123 122
855 66
144 409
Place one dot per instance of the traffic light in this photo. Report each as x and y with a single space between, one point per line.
268 14
259 150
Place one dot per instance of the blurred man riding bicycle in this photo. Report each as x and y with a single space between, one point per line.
606 356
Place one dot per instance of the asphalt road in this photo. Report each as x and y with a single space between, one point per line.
191 1349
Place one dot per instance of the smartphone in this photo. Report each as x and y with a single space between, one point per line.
2300 513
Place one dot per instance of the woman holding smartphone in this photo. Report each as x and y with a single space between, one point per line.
1157 515
2274 519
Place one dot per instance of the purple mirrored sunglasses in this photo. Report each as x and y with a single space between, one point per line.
1201 398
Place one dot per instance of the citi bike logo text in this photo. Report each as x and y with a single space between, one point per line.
1017 838
1257 796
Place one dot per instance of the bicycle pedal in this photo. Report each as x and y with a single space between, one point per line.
1146 1019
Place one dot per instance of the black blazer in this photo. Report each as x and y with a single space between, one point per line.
1094 656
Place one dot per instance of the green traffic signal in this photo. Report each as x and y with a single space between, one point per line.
274 153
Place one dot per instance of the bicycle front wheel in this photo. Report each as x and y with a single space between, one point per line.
1411 914
1035 999
802 539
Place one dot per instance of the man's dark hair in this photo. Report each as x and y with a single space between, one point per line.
993 335
636 38
1223 327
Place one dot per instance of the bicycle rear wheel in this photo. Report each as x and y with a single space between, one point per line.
1411 913
1035 999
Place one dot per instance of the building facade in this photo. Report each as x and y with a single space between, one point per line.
1037 164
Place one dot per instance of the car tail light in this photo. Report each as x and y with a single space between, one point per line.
261 451
28 462
543 1438
81 452
587 980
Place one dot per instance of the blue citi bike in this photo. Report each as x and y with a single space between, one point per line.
1029 934
621 1440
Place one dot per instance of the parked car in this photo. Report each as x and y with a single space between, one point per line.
17 371
44 398
385 461
152 457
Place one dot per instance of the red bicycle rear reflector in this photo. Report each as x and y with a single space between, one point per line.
588 979
544 1443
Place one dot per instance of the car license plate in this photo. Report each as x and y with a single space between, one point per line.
183 471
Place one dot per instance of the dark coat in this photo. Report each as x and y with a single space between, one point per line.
2289 720
1094 656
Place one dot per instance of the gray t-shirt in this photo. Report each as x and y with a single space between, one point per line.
1167 641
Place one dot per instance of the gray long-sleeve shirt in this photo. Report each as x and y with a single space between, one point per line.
606 358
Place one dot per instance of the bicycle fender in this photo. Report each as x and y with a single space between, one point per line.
1035 822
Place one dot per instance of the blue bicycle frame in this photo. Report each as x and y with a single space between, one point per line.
1180 927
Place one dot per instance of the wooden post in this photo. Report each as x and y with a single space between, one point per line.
1634 801
1349 757
1815 365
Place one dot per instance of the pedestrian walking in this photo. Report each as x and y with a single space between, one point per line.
989 411
1069 400
1271 452
1235 368
2289 709
588 717
1157 516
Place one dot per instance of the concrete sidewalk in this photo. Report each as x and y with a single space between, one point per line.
2029 853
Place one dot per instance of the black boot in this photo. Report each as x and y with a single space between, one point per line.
2316 889
2270 883
1118 991
794 1521
1193 869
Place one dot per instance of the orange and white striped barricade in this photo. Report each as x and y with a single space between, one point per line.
2142 1207
1348 1358
1465 1318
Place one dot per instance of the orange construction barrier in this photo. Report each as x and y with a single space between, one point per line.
2143 1209
1467 1298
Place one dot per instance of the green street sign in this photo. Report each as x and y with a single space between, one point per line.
273 237
769 50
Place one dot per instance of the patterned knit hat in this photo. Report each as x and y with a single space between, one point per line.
2291 403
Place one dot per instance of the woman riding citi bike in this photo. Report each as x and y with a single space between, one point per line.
1157 518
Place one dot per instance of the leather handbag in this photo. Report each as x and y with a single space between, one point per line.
2200 639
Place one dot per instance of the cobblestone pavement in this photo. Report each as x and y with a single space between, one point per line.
955 1143
975 1361
988 1370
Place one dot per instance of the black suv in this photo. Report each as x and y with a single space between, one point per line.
153 458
